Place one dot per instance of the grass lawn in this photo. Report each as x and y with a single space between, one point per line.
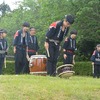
30 87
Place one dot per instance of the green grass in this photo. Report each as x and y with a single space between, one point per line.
30 87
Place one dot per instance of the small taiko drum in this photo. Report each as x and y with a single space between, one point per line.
65 71
37 64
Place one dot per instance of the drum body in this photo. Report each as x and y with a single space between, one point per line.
65 71
37 64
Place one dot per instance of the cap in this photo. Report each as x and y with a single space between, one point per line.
26 24
32 28
73 32
4 31
69 18
98 45
1 31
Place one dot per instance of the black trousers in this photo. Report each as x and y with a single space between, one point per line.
26 68
20 60
96 71
52 60
1 64
69 59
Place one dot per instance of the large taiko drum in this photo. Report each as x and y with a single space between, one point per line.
65 71
37 64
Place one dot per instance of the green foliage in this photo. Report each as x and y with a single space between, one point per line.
41 13
83 68
4 8
86 46
87 23
9 69
80 68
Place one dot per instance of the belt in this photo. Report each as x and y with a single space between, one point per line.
97 59
21 46
31 51
55 41
2 52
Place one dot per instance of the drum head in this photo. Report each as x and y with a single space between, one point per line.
37 63
38 56
66 74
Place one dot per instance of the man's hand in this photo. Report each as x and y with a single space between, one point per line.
92 63
65 56
46 45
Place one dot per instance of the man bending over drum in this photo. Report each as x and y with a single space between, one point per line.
54 36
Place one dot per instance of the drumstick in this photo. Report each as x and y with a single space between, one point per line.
5 62
93 68
27 56
48 53
74 59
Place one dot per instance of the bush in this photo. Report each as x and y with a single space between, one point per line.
81 68
10 68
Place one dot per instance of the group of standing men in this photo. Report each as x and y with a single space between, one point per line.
25 45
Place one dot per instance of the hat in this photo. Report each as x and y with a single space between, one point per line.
73 32
1 31
69 18
26 24
4 31
98 45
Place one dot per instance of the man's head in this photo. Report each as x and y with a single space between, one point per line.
26 26
73 34
4 34
98 47
69 19
32 31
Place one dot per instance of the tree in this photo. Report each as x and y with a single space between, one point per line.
41 13
4 8
87 16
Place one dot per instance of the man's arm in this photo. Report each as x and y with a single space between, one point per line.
93 56
51 31
15 41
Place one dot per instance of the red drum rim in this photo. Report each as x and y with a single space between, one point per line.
65 65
